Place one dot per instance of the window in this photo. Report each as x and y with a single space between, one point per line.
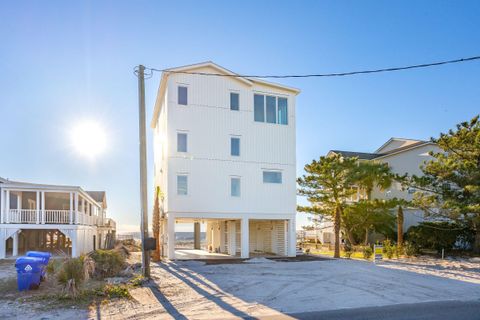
282 111
235 146
234 101
181 142
259 107
272 177
271 109
235 187
182 95
182 185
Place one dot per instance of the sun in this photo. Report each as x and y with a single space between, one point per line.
89 139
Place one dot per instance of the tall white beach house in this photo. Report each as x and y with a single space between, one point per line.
224 150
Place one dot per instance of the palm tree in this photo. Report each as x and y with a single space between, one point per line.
370 175
156 222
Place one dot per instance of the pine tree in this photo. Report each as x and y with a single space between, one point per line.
327 185
156 223
450 186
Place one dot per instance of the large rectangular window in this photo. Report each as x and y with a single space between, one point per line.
182 185
182 95
181 142
271 109
259 107
272 177
234 101
235 146
235 187
282 111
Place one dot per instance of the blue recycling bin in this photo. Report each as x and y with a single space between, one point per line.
45 256
29 272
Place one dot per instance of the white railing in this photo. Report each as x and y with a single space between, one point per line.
49 217
22 216
57 216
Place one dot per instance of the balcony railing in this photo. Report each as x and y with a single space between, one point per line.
32 216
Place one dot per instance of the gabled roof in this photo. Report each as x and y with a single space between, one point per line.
2 180
221 71
99 196
407 143
359 155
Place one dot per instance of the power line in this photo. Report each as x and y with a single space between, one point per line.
336 74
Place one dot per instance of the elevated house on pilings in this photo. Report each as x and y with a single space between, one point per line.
59 219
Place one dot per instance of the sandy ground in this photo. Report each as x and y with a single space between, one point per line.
193 290
261 287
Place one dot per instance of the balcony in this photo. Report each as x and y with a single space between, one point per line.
32 216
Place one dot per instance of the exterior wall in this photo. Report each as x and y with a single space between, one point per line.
209 123
405 162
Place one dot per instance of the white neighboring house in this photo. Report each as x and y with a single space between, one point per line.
224 149
402 156
52 218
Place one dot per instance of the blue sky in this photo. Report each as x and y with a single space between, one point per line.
66 62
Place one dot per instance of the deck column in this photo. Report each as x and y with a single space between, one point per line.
3 242
196 235
245 244
15 244
37 206
74 239
7 207
171 238
43 206
2 206
292 239
71 208
76 207
232 238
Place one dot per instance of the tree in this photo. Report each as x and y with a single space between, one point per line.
450 186
327 185
156 222
364 216
400 220
371 214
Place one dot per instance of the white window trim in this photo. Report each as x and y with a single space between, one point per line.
186 132
271 94
230 186
230 99
272 170
178 97
176 184
239 146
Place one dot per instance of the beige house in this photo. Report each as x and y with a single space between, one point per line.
402 156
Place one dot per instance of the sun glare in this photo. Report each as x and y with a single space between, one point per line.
89 139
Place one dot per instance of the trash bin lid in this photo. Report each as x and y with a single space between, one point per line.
38 254
29 264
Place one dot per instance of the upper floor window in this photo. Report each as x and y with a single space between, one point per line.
182 95
282 111
235 187
182 185
234 146
181 142
259 107
270 109
272 177
234 101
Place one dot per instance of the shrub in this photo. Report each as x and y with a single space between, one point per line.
71 275
410 249
367 252
108 263
388 248
440 235
116 291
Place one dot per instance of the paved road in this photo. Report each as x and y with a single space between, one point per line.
444 310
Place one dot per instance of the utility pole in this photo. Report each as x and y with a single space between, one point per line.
143 169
